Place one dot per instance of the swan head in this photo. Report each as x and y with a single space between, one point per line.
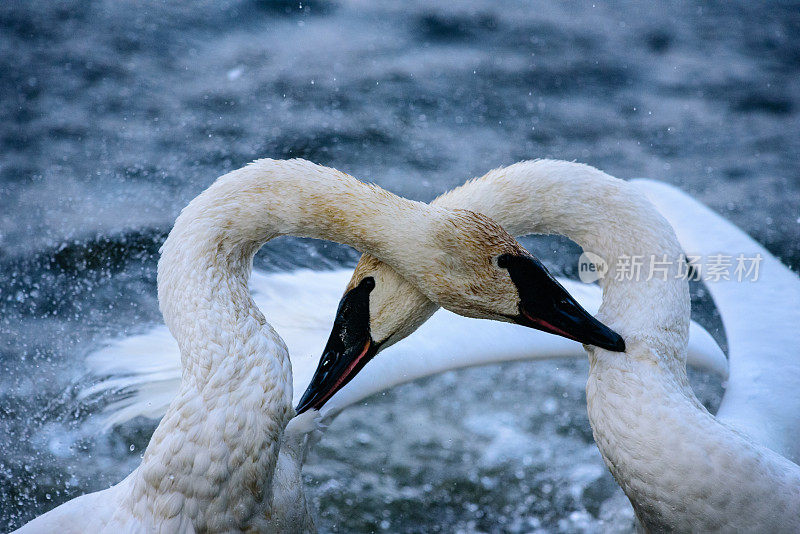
477 270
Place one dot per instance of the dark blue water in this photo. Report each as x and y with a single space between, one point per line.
114 114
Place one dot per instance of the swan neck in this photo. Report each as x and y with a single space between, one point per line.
682 469
223 429
211 247
607 217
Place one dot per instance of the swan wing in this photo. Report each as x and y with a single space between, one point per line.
301 304
87 513
760 317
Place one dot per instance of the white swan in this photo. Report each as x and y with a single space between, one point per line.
211 463
681 468
701 230
146 363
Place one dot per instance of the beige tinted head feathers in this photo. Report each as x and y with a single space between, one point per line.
460 273
467 251
472 267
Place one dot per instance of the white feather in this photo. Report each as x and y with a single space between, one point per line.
145 368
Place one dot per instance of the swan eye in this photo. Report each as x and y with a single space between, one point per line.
503 260
368 283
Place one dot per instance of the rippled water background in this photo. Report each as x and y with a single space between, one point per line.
114 114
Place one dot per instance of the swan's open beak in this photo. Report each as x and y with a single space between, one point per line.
348 350
546 305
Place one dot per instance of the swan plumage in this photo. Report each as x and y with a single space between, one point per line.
684 209
682 468
211 462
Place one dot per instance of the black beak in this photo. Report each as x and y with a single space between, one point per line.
348 350
546 305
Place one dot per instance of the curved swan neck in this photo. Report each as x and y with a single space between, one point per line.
221 229
214 453
269 198
681 468
605 216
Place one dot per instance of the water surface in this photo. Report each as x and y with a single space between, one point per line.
116 113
